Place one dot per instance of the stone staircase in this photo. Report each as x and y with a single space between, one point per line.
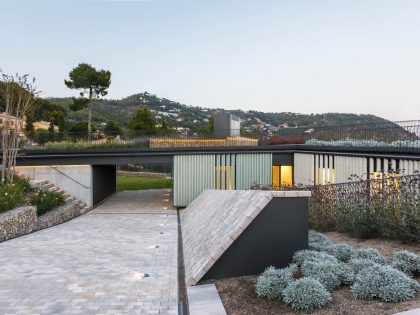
40 184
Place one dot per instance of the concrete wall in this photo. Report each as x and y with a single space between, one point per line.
304 169
74 179
195 173
226 125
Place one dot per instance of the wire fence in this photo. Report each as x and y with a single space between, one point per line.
385 206
403 134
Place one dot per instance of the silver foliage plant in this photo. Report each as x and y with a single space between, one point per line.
342 252
306 294
406 262
369 254
326 272
310 255
271 283
318 241
326 266
384 283
359 264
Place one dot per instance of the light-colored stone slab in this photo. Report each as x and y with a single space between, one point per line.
205 300
410 312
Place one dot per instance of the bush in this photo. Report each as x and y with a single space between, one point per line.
369 254
328 273
347 274
46 201
384 283
318 241
406 262
306 294
12 194
310 255
359 264
342 252
271 283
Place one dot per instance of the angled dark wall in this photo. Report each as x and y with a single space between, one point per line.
104 182
273 236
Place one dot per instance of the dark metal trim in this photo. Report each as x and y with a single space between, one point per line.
183 308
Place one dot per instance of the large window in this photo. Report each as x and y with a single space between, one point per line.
282 175
324 169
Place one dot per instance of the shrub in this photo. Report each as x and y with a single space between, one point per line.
310 255
11 194
271 283
46 201
385 283
347 274
318 241
368 208
306 294
359 264
369 254
326 272
342 252
406 262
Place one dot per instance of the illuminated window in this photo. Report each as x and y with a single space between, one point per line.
276 176
286 175
326 176
223 177
282 175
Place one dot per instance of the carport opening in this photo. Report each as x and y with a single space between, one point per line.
144 176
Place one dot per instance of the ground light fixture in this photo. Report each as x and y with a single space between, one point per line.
139 275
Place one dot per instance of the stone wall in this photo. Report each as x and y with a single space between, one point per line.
24 220
62 214
17 222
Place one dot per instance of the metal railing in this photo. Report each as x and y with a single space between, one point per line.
396 135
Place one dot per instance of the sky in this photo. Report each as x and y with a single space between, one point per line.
355 56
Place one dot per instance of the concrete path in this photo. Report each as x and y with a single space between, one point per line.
95 264
205 300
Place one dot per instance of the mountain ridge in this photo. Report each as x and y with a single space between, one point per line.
177 115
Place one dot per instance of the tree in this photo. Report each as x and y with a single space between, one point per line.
18 99
142 121
164 127
80 127
112 127
90 81
51 112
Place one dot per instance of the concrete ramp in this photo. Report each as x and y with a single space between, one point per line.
225 234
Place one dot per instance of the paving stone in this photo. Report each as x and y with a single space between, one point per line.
93 264
205 300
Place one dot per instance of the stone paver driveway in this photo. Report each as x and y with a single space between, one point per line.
95 264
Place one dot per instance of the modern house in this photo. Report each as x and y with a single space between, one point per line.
232 163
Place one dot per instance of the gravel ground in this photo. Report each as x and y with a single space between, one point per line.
239 297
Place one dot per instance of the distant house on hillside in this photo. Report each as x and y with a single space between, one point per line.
12 122
45 125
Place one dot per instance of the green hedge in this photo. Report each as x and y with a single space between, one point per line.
46 201
12 194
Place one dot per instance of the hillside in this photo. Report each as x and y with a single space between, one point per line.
179 115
